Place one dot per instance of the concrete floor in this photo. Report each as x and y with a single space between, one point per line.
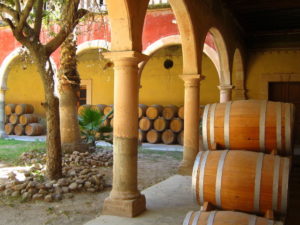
168 203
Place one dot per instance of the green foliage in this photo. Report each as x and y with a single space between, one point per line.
92 128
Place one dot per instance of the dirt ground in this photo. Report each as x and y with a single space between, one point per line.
153 168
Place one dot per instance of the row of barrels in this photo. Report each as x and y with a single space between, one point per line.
20 120
244 177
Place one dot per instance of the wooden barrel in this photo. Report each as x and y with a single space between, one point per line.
9 128
14 118
160 124
28 118
98 108
176 125
169 112
6 119
168 137
154 111
107 109
180 138
142 110
9 109
106 122
181 112
145 124
142 136
260 125
111 122
24 109
19 129
201 110
34 129
82 108
153 136
242 180
225 218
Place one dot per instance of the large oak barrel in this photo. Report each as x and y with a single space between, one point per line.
250 125
24 109
168 137
34 129
28 118
154 111
9 109
153 136
14 118
145 124
160 124
225 218
169 112
6 119
82 108
107 109
9 128
180 138
176 125
142 136
242 180
19 129
142 110
181 112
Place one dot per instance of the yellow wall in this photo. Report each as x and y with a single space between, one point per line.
25 86
267 63
163 86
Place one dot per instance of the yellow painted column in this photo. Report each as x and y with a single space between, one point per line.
191 122
125 198
225 93
2 113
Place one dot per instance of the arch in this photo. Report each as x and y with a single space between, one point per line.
224 71
238 75
92 45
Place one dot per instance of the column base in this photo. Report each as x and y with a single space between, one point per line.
125 208
185 168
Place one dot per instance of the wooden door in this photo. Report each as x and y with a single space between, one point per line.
288 92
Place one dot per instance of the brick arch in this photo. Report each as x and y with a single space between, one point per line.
94 44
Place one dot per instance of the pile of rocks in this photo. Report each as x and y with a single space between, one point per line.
81 172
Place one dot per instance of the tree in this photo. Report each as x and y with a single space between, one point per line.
25 19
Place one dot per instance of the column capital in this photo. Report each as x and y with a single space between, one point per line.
133 57
225 87
192 80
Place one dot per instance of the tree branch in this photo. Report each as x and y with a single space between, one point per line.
18 6
24 15
10 11
38 19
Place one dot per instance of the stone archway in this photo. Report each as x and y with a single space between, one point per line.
4 70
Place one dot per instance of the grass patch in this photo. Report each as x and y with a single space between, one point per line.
159 154
11 150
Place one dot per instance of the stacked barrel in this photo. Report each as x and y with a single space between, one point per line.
20 120
244 168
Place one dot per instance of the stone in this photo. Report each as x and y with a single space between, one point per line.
85 171
2 187
48 185
91 189
11 175
87 184
26 196
73 186
7 192
43 192
48 198
37 197
65 189
15 194
63 182
68 195
57 196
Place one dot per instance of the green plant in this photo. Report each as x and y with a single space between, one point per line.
92 128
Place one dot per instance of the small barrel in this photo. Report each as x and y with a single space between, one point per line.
180 138
145 124
9 128
154 111
153 136
168 137
107 109
98 108
142 110
19 130
254 125
34 129
106 122
242 180
170 111
24 109
14 118
176 125
181 112
82 108
9 109
28 118
161 124
225 218
142 136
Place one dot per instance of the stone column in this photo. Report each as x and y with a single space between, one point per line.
2 113
225 93
239 92
125 198
191 122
